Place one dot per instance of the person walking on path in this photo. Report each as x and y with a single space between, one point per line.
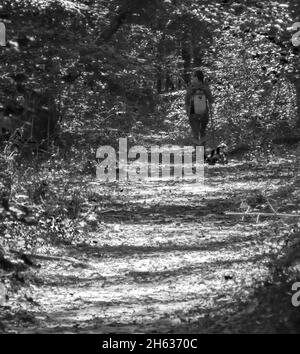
198 101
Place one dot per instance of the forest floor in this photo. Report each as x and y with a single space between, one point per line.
164 257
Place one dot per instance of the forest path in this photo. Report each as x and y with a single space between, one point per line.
165 259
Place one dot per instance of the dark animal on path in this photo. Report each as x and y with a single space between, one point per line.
239 151
217 155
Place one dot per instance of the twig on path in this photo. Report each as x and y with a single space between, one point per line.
262 214
51 258
267 199
93 208
270 205
106 211
246 212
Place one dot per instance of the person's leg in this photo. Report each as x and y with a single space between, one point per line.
203 124
195 126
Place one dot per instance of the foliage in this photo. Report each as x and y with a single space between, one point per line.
78 74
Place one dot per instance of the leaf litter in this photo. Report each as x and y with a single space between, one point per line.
163 258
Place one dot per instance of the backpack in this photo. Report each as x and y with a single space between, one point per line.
198 101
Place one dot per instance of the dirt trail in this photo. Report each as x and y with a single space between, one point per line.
165 259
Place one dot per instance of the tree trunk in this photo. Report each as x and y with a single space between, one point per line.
160 60
297 86
295 12
158 82
186 56
295 80
197 57
127 8
169 83
115 24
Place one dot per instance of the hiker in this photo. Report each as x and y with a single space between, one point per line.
197 97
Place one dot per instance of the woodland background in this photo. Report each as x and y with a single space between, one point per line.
78 74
